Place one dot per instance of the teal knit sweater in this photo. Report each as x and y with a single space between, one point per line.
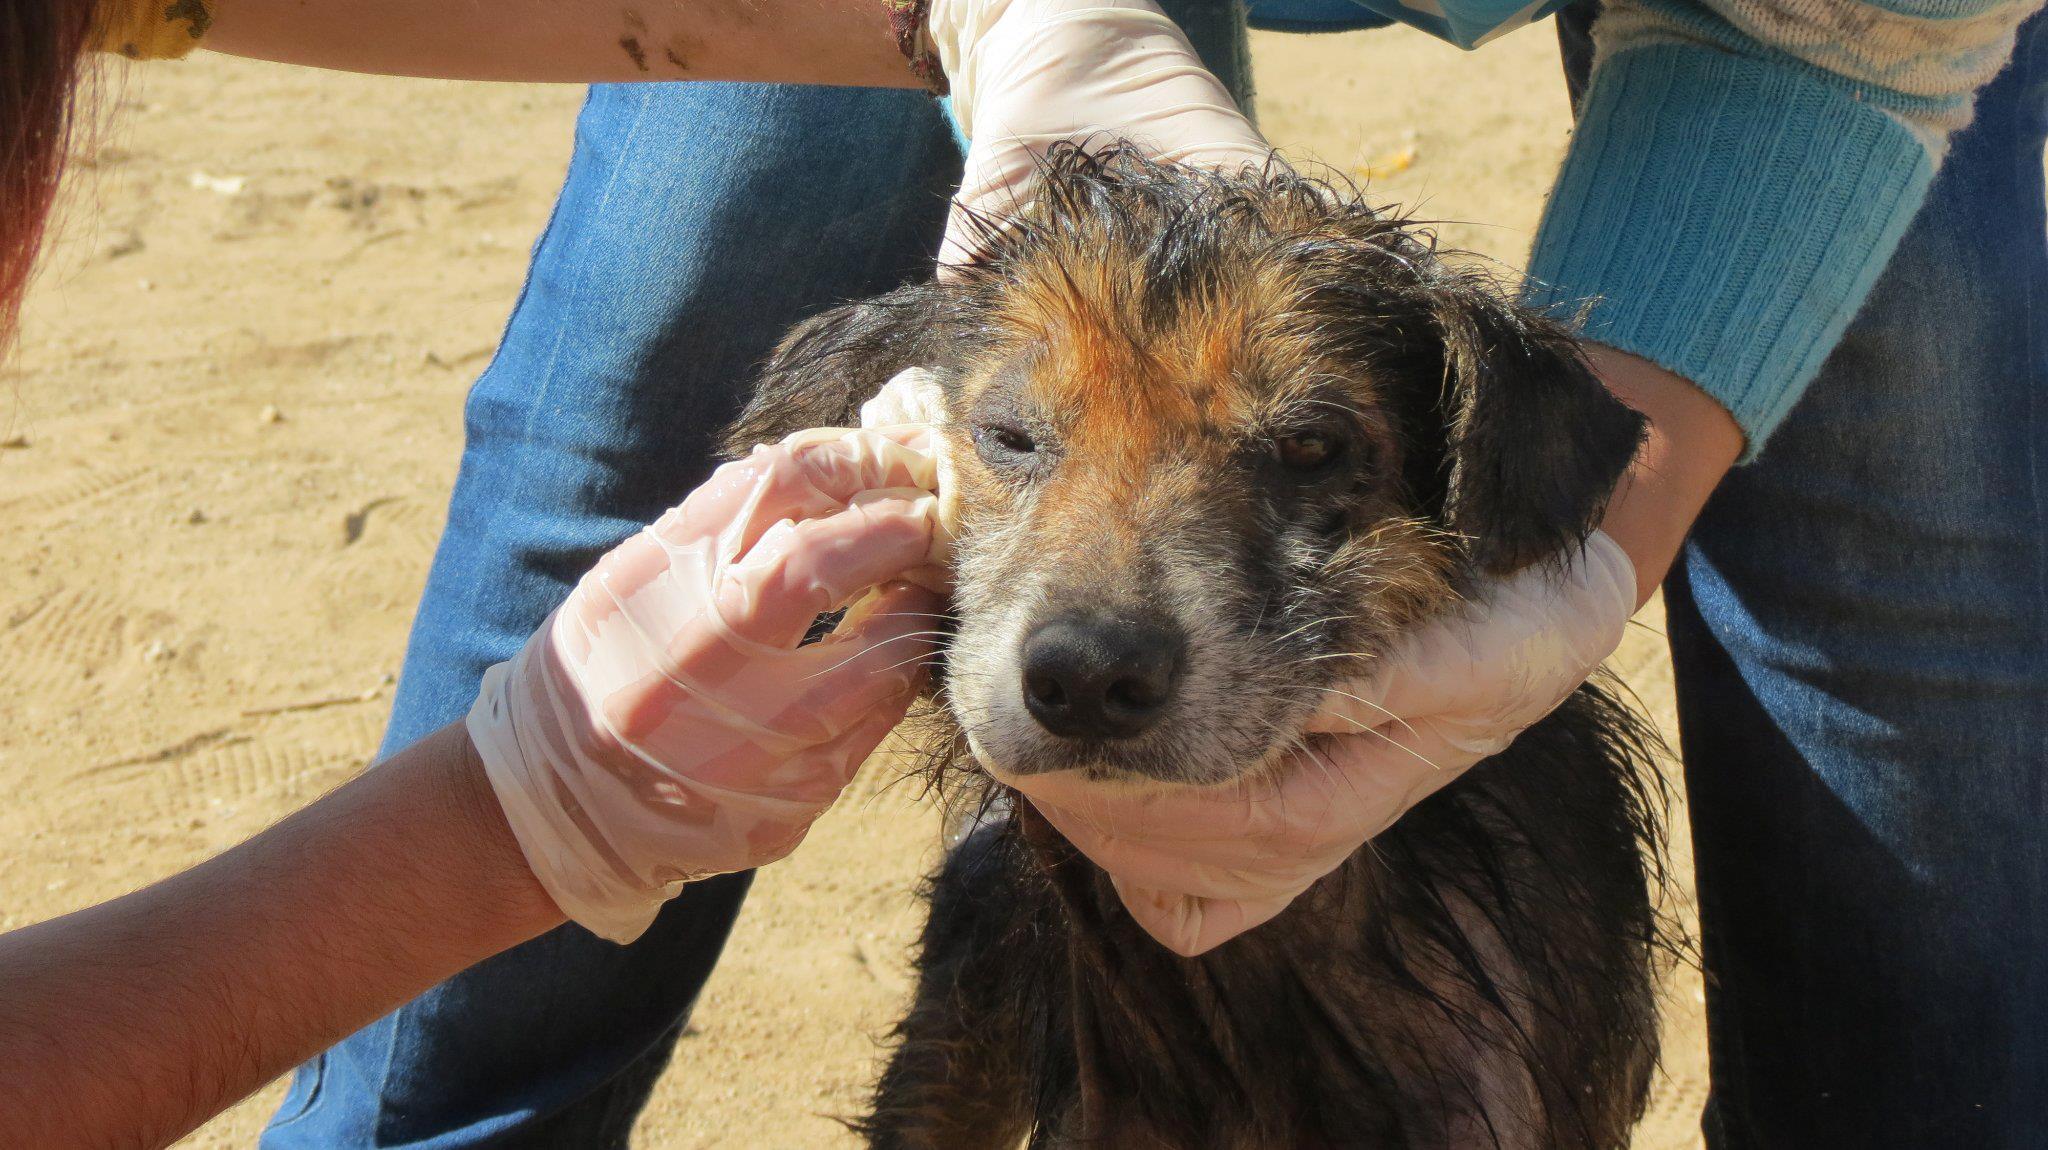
1744 169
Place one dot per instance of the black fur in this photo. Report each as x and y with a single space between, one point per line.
1503 926
827 366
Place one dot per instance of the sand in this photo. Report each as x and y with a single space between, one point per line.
232 430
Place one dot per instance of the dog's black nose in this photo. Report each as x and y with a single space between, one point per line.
1096 677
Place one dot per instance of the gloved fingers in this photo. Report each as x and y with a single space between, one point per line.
1211 842
1131 851
850 750
1522 645
1243 817
638 741
1044 73
729 813
797 570
1353 706
875 661
757 830
1210 825
738 714
784 791
1191 926
911 398
1162 842
1349 788
1134 862
1506 658
831 766
813 694
843 462
659 601
1313 808
811 474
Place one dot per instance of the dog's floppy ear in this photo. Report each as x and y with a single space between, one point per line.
1534 443
830 364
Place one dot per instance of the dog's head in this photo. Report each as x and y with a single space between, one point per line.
1215 440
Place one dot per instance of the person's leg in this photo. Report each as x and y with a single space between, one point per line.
1859 627
696 224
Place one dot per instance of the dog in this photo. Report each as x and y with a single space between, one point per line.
1215 438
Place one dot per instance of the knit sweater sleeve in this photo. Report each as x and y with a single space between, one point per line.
1743 170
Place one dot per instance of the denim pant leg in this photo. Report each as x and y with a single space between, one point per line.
696 224
1859 626
1860 630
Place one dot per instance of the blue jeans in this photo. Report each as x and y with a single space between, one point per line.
698 222
1859 627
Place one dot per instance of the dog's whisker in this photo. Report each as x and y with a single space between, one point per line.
1339 655
920 658
1375 706
871 649
1311 625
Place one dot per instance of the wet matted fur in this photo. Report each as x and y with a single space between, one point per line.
1279 425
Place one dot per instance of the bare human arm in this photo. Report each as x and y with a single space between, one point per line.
578 41
130 1023
1692 443
667 723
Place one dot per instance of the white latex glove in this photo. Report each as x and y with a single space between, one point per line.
1197 866
1027 74
912 398
664 724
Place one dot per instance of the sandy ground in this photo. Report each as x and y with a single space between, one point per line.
232 430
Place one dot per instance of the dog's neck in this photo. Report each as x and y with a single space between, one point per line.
1156 1034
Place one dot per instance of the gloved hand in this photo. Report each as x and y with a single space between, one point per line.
1197 866
664 724
1027 74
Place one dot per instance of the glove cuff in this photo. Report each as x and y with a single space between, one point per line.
563 854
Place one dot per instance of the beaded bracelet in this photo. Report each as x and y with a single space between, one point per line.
907 20
152 29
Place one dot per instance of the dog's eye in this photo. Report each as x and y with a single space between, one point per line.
1309 451
997 442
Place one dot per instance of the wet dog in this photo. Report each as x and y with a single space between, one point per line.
1215 440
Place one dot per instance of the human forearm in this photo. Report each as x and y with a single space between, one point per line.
131 1022
1738 181
580 41
1691 443
1725 219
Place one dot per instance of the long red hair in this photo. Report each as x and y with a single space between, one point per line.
42 54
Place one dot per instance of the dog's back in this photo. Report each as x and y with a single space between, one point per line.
1246 422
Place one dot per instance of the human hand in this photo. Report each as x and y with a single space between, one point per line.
1027 74
1197 866
664 724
